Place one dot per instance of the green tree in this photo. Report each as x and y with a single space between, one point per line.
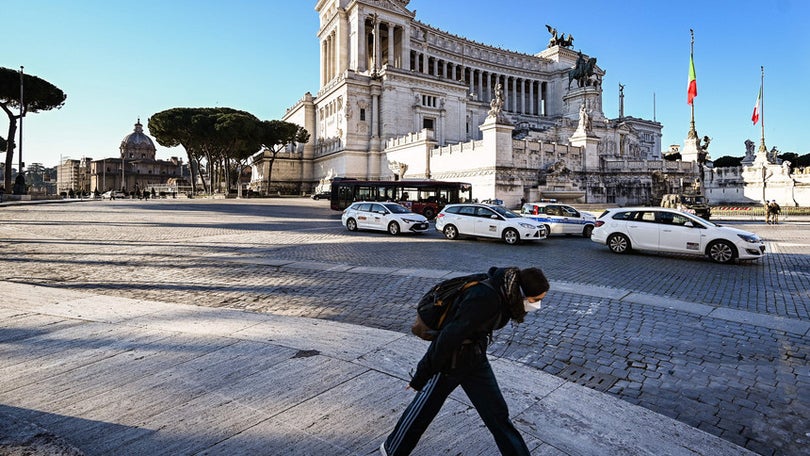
207 134
38 95
276 135
727 161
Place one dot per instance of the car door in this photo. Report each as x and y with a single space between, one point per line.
571 220
643 230
363 213
377 217
678 233
465 220
554 219
487 222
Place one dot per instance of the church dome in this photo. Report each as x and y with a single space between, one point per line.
137 144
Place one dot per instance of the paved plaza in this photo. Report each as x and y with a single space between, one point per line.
723 349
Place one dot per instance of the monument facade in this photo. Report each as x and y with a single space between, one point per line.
397 94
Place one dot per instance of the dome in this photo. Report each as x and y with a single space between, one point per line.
137 144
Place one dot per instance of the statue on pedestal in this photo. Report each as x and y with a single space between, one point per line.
559 40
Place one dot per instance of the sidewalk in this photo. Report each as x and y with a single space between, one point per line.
119 376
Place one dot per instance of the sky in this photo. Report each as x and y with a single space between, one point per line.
121 61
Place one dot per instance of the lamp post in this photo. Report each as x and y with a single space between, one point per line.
22 114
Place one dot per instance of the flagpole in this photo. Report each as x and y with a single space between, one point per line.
762 147
692 132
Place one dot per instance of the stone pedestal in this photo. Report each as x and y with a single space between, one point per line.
589 144
690 150
499 134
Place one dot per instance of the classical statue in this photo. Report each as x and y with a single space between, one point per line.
703 149
584 119
496 105
749 148
559 40
582 71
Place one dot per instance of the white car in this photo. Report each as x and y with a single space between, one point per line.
490 221
669 230
390 217
560 218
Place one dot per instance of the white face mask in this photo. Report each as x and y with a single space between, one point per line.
531 306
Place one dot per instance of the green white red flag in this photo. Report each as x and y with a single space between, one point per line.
755 115
691 92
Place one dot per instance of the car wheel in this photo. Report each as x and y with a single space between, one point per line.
548 230
393 228
721 252
450 232
429 213
618 243
587 231
351 224
511 236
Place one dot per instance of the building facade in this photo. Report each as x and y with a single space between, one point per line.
399 94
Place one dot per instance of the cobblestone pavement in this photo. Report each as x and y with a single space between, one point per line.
736 378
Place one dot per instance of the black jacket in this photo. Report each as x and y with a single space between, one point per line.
462 342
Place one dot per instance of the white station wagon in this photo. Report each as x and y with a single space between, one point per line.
488 221
391 217
670 230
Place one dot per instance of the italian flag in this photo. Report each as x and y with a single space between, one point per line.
691 92
755 115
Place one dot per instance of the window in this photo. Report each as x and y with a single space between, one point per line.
467 210
363 115
484 212
427 124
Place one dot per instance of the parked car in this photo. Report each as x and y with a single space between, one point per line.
669 230
560 218
321 195
391 217
113 195
489 221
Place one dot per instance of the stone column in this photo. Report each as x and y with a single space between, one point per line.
362 39
480 88
391 30
342 41
406 46
522 96
377 51
489 86
532 104
324 54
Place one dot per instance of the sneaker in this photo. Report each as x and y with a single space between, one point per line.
382 449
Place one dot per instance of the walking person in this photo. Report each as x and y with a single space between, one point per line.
768 212
458 356
776 211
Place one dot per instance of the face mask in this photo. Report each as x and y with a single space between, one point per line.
531 306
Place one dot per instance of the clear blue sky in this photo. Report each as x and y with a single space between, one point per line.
119 61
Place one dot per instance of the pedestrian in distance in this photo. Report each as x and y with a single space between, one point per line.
776 211
457 356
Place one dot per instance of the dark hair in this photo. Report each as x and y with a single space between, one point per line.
533 282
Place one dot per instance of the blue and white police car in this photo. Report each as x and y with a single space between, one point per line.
560 218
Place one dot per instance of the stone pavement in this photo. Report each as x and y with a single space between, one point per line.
719 348
121 376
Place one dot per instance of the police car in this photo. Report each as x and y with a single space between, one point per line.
560 218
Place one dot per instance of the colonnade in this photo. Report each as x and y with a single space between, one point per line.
379 43
521 95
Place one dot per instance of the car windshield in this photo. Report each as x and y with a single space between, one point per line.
506 213
396 208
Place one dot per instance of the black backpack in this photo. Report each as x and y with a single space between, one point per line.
434 307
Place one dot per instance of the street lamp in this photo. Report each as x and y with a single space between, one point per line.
22 114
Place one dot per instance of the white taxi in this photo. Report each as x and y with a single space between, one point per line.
489 221
391 217
670 230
